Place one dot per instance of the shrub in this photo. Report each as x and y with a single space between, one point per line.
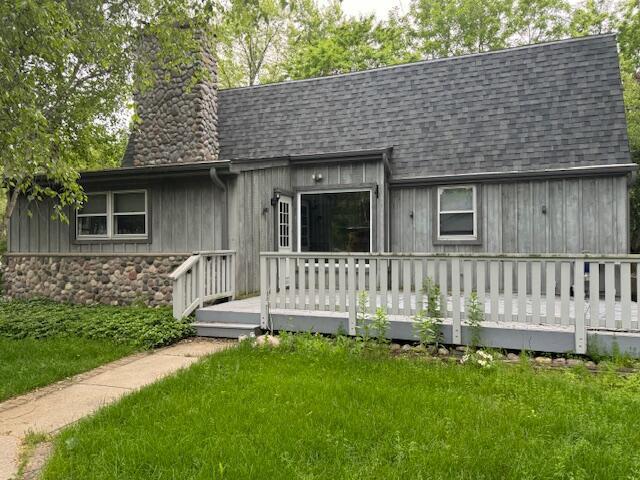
475 316
363 327
380 325
427 322
138 326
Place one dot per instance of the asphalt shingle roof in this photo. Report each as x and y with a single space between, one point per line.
553 105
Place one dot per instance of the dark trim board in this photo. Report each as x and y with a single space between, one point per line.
486 177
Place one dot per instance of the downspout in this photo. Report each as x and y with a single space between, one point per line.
213 174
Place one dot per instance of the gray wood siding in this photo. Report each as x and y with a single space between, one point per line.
252 220
585 214
186 215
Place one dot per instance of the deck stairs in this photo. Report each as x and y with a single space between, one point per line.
225 321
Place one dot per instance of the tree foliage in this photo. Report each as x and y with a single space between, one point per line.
66 77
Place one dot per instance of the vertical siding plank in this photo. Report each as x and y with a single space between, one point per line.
455 301
494 287
551 292
578 295
508 290
535 291
522 292
406 287
565 290
609 294
625 294
594 295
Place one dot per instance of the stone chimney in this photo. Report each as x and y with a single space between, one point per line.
178 124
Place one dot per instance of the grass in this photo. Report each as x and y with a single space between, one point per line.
29 363
42 341
317 410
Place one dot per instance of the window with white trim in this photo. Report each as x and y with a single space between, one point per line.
284 223
457 213
114 215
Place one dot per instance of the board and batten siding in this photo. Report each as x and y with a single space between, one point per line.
185 216
252 220
582 215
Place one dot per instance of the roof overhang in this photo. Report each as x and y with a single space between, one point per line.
374 155
592 171
154 172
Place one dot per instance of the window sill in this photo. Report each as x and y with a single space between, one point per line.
113 240
461 241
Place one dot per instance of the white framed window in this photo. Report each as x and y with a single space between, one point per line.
457 213
92 220
284 224
114 215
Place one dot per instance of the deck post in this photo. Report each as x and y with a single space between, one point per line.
353 295
578 295
456 331
264 293
201 280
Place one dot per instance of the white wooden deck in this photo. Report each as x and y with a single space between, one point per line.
595 317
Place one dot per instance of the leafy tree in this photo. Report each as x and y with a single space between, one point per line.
66 77
594 17
251 39
323 41
446 28
535 21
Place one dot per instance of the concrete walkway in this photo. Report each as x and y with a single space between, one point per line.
51 408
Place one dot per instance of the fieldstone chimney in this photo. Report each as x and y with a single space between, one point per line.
179 118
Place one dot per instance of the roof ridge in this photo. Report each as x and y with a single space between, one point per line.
422 62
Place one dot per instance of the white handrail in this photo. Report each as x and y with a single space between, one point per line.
203 277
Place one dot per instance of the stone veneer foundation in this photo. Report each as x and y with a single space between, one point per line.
92 278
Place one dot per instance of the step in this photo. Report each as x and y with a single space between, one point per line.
226 330
218 315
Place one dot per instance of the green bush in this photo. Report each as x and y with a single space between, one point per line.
138 326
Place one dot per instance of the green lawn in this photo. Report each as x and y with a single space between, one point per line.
42 341
318 411
29 363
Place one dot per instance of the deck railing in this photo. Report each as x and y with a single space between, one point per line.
203 277
579 291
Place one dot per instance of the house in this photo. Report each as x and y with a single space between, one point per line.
521 151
